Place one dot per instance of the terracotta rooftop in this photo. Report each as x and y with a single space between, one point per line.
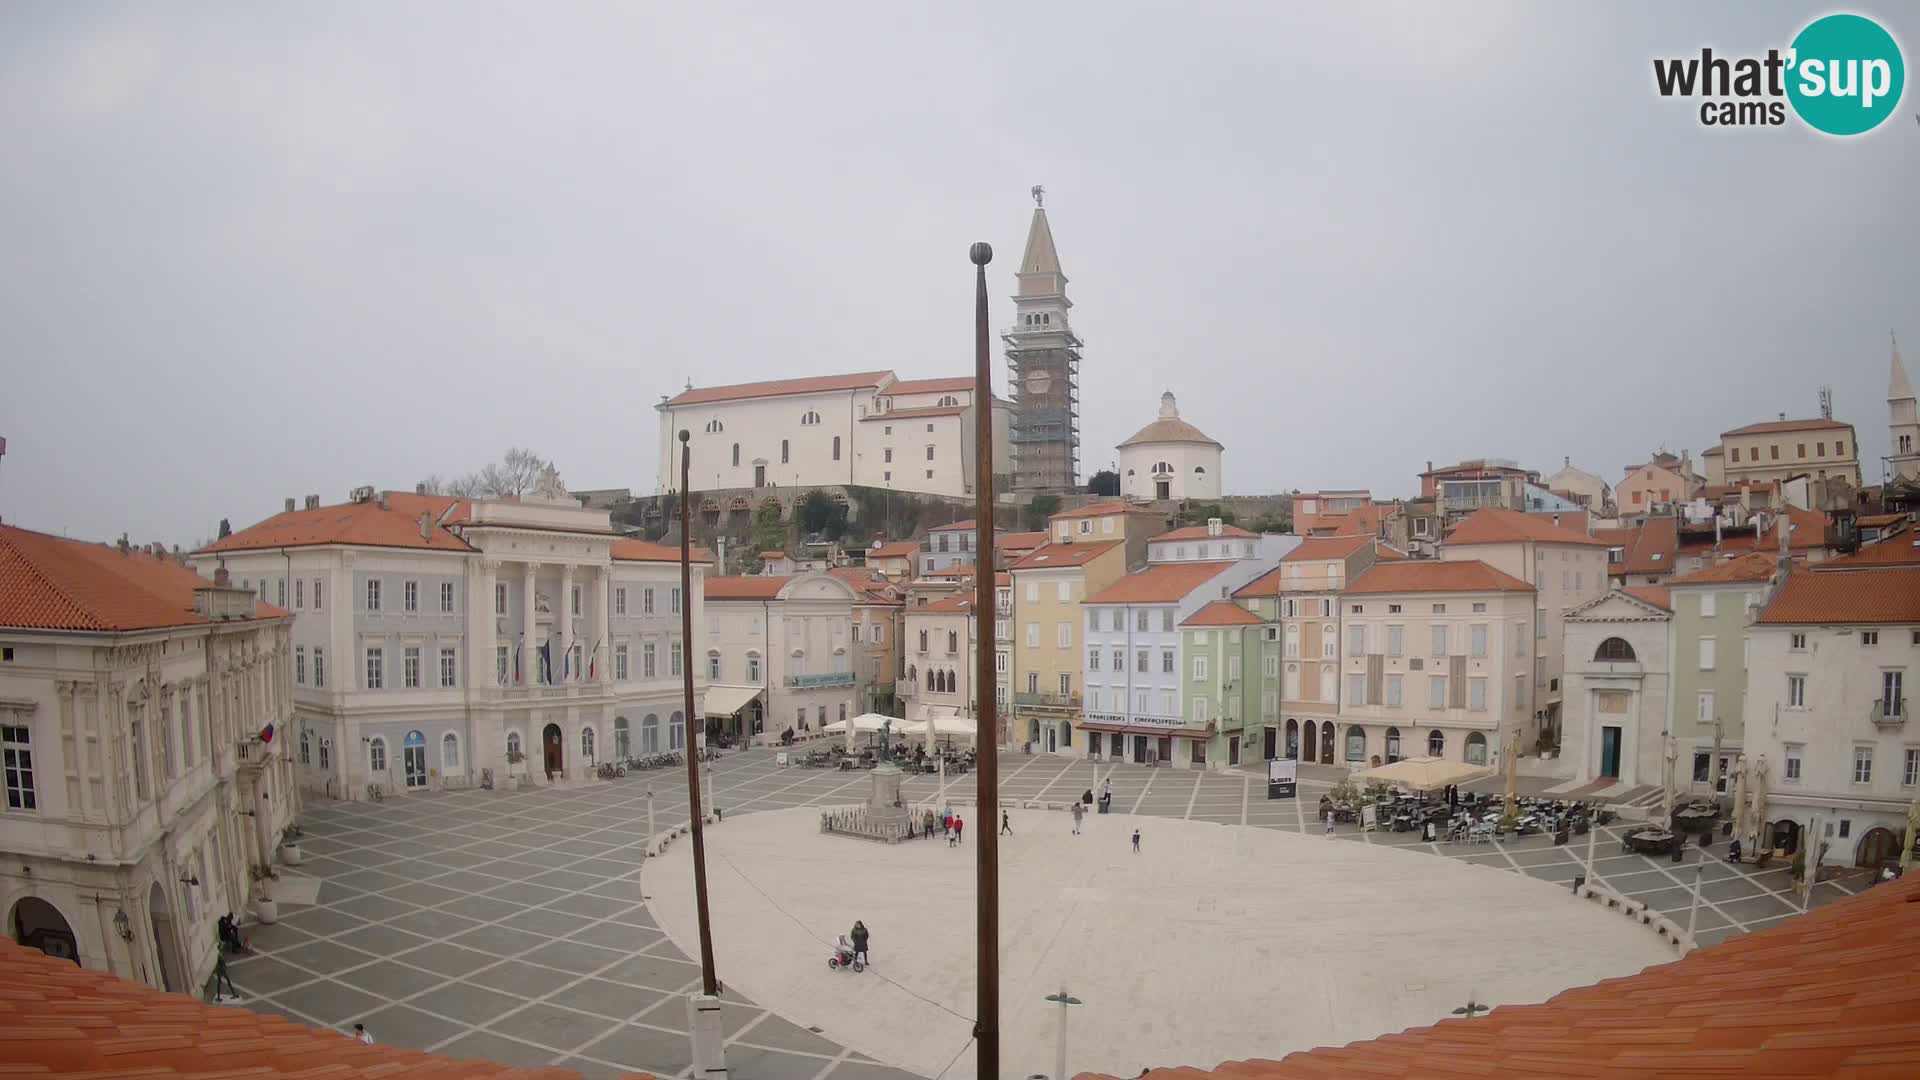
1899 549
823 384
967 524
628 549
358 524
1652 594
1877 521
51 583
909 414
1712 451
955 385
1496 526
1267 584
1222 613
960 603
1388 553
899 549
764 587
1101 509
1050 556
1833 993
60 1019
1326 547
1622 538
1199 532
1752 568
1019 540
1169 430
1883 595
1359 521
1787 425
1159 583
1433 575
1653 547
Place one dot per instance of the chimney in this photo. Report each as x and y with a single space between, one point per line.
383 500
426 525
289 504
1213 526
420 488
313 502
1567 460
123 544
1783 416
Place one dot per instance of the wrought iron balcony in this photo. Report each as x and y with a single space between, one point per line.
1888 714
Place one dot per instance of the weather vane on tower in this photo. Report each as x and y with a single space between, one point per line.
1039 195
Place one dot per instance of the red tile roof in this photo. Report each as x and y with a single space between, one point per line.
1018 540
899 549
1199 532
60 1019
1874 521
1568 519
51 583
1752 568
1432 575
1159 583
954 385
967 524
1652 594
959 603
1885 595
1496 526
1101 509
1222 613
1267 584
1833 993
1359 521
358 524
1388 553
1326 547
628 549
764 587
1654 545
1900 549
823 384
910 414
1050 556
1787 425
1622 538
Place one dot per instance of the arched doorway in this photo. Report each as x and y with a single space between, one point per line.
1312 742
1877 847
1293 739
1268 750
621 748
676 731
1066 735
650 733
1476 748
39 925
1786 837
1393 745
1326 743
1436 743
413 759
554 754
163 939
1356 743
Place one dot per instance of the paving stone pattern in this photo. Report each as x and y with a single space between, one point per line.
513 926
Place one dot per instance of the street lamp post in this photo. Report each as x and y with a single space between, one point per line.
1065 1001
650 833
1693 909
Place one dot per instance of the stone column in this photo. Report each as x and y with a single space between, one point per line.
483 670
528 644
603 633
563 611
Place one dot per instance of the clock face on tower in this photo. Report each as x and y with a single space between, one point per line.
1038 382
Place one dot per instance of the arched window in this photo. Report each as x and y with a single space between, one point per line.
713 664
306 750
650 734
1476 748
1436 744
586 743
1393 745
736 455
1614 649
953 641
326 753
786 452
809 418
513 745
377 754
715 427
676 732
753 666
449 752
1161 467
1199 471
912 675
620 740
949 401
1356 743
836 448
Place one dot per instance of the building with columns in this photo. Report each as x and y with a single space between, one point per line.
438 639
143 717
1618 678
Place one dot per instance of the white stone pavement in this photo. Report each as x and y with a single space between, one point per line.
1215 942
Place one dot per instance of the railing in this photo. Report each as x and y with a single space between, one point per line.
1888 713
905 688
1047 701
814 682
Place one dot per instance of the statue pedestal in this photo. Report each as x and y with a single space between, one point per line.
884 816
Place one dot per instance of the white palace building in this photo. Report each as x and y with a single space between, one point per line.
870 428
435 637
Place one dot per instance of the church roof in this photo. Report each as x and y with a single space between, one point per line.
1169 428
1040 257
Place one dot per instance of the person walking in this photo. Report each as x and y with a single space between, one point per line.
947 825
360 1032
1329 821
1136 841
1079 812
860 938
221 977
959 829
1006 827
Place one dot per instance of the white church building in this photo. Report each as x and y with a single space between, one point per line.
868 428
1170 459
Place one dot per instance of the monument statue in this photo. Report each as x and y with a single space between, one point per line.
541 604
886 740
547 485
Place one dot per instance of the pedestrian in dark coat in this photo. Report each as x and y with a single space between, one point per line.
860 938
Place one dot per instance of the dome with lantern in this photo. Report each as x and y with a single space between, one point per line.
1170 459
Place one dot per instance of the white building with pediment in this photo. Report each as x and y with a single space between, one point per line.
437 640
1614 712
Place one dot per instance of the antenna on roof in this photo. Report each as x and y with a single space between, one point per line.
1826 403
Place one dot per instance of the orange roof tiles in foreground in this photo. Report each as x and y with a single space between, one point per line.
1496 526
1833 993
1050 556
765 587
1222 613
1751 568
357 524
58 1019
628 549
1101 509
1326 547
1900 549
1884 595
1019 540
822 384
899 549
1652 594
51 583
1200 532
1267 584
1431 575
1159 583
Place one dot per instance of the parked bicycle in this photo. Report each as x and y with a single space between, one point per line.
611 770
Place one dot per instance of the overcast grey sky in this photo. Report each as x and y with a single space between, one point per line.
252 251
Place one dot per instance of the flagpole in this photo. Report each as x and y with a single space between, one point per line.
986 1024
703 1009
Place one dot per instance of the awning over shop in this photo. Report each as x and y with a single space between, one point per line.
1425 773
1157 732
724 701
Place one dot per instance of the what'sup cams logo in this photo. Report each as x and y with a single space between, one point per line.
1842 75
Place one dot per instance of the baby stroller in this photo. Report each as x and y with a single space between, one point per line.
843 956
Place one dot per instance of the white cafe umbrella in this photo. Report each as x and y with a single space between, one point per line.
1424 773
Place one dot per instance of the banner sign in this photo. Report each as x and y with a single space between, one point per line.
1281 778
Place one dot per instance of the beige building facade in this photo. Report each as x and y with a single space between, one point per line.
1778 449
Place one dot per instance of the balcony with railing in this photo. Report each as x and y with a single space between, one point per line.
905 689
1888 714
1046 700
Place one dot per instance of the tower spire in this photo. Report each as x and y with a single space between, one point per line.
1898 388
1043 367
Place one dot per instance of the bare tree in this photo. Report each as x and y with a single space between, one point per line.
513 475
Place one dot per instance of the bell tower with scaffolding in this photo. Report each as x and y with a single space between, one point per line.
1043 368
